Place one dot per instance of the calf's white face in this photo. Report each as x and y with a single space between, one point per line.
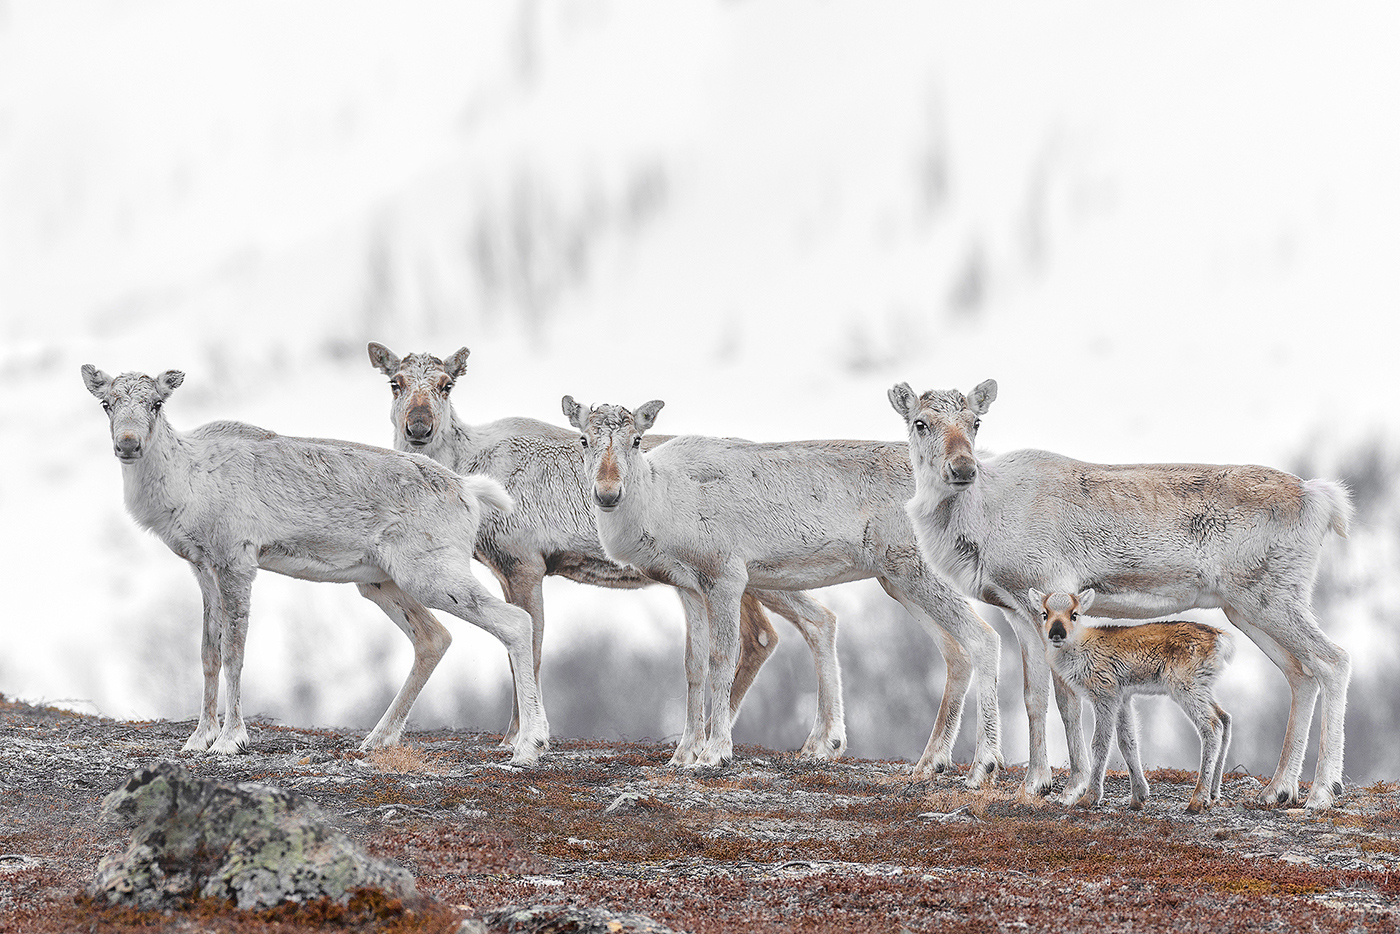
132 402
611 439
942 428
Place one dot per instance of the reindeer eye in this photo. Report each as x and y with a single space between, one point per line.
583 441
106 406
976 424
637 441
155 406
1074 617
394 385
920 426
1044 615
447 387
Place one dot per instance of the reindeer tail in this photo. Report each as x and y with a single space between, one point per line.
488 492
1333 499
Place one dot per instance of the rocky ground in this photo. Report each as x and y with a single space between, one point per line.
770 843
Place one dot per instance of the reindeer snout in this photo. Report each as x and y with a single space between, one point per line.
960 471
418 427
1057 634
127 448
608 499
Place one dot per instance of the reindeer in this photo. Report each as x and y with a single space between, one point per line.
1109 665
231 499
551 530
1150 540
715 516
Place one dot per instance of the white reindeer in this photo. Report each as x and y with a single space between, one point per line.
552 531
1150 540
715 516
230 499
1110 664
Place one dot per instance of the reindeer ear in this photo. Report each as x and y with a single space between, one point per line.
983 396
645 416
1037 598
96 381
575 413
383 359
168 382
902 398
1086 599
457 363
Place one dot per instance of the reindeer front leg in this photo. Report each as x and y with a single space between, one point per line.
1089 790
209 651
697 651
235 592
722 602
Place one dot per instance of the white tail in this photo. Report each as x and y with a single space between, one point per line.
489 491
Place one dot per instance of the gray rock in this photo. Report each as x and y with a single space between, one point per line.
256 845
565 919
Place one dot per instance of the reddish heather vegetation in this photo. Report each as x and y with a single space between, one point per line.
769 843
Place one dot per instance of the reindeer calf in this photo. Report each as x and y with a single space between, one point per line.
1110 664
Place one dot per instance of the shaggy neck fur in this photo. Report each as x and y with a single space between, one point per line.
156 486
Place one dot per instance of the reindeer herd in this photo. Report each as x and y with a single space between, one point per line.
739 529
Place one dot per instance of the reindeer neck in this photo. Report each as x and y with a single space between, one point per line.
462 445
158 484
630 529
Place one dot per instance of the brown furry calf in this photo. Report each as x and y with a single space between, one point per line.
1110 664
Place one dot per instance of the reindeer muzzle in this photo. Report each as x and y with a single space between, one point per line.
960 472
1057 634
607 500
418 428
128 449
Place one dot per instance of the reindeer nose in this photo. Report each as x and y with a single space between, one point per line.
127 447
1058 633
418 430
607 499
962 471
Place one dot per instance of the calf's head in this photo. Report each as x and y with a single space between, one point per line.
421 384
133 403
942 427
611 440
1059 613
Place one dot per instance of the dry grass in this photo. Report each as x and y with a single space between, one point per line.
408 759
771 843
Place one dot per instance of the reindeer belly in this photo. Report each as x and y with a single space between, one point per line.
328 567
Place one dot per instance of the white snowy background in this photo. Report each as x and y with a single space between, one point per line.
1170 232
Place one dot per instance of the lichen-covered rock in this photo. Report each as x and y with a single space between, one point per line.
567 919
256 845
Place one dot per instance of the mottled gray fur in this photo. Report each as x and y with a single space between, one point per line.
715 516
552 530
1150 539
232 499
